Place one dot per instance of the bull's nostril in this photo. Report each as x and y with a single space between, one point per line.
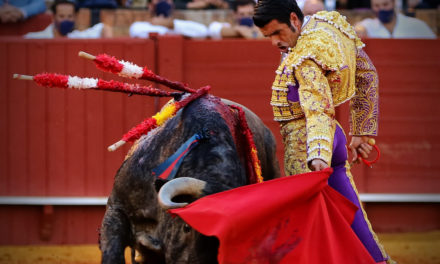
154 241
186 228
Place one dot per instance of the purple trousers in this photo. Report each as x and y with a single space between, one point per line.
341 182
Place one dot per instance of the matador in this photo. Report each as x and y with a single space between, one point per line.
323 66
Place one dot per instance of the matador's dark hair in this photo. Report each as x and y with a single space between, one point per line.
267 10
59 2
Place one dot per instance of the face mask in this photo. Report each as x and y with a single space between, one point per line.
385 16
65 27
163 8
246 21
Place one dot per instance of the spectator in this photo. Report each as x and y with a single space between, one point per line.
390 24
16 10
201 4
244 25
64 16
162 22
312 6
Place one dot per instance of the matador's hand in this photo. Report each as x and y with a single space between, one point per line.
359 146
317 165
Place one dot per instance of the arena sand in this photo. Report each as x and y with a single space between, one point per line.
405 248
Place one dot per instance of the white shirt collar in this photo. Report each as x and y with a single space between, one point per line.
305 21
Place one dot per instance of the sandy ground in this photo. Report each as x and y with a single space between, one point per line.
405 248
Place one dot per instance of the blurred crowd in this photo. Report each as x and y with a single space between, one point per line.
389 18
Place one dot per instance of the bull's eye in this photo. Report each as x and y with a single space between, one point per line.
186 228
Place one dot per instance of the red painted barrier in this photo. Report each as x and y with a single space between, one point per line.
410 125
53 142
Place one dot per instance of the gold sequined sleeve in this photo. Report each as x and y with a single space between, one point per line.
316 101
364 106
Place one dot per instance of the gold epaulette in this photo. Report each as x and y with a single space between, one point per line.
318 45
321 44
340 22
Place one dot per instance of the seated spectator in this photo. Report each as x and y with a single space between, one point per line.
16 10
312 6
201 4
162 23
64 17
244 25
390 24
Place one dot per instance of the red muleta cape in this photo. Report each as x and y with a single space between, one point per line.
295 219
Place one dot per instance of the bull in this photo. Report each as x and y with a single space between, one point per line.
136 215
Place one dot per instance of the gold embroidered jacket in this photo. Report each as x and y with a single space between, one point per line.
326 68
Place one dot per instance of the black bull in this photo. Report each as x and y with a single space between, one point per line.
134 217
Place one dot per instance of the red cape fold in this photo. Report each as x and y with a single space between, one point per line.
295 219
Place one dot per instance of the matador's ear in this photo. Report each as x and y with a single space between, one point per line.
295 21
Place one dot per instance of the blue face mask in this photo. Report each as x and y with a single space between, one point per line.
163 8
65 27
246 21
385 16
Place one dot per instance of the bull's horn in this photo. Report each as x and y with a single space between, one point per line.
138 256
179 186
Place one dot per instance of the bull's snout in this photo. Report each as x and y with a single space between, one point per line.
180 186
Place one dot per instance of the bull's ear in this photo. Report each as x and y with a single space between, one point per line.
158 183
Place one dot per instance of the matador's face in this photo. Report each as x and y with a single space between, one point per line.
283 36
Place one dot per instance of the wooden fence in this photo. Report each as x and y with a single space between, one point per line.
53 142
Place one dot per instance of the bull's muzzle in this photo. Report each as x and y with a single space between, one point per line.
180 186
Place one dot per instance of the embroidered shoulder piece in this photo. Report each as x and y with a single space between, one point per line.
340 22
318 45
